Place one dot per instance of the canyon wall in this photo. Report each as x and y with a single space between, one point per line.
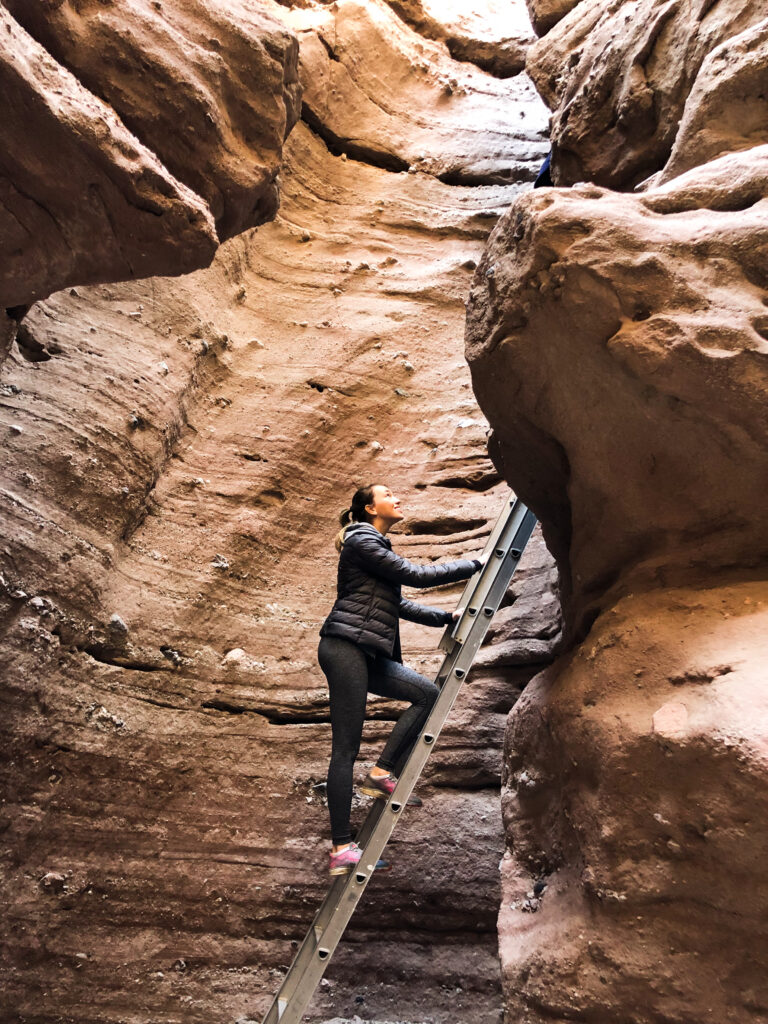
618 346
176 452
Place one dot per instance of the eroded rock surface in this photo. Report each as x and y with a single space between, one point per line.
631 331
135 137
494 34
173 466
618 347
726 110
417 110
636 797
130 217
616 75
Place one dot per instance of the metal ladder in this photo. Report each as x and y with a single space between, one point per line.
460 641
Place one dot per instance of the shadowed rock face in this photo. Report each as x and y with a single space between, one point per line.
136 137
616 74
175 455
618 347
545 14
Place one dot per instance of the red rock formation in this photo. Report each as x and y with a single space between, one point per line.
418 111
622 346
616 76
618 347
726 109
126 216
171 479
105 186
494 34
636 791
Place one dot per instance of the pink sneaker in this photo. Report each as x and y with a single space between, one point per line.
343 862
382 788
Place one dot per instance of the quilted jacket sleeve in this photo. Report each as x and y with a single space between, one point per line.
423 613
377 558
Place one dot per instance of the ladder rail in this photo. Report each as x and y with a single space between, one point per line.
307 949
481 598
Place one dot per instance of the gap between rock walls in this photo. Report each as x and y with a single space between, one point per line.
171 484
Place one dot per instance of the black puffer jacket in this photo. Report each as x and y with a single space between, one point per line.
369 605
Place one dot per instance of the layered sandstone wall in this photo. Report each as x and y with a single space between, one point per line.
618 347
176 453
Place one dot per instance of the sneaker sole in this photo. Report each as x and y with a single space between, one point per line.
340 871
379 794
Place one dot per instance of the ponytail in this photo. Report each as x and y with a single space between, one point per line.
356 513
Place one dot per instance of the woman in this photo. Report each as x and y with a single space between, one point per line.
360 653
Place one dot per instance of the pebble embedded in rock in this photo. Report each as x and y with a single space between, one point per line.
236 655
54 880
172 655
117 624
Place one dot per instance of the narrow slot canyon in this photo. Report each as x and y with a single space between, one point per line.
261 254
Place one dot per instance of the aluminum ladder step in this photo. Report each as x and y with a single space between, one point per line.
479 602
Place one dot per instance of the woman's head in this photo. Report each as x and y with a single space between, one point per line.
356 512
372 504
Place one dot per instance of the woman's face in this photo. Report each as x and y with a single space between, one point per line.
385 505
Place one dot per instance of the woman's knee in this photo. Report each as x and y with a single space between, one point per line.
429 693
344 756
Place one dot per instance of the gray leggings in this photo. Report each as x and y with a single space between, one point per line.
351 675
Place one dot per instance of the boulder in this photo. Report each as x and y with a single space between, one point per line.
212 90
617 73
135 137
545 14
635 796
618 348
726 109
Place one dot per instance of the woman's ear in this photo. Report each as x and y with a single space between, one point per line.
371 510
